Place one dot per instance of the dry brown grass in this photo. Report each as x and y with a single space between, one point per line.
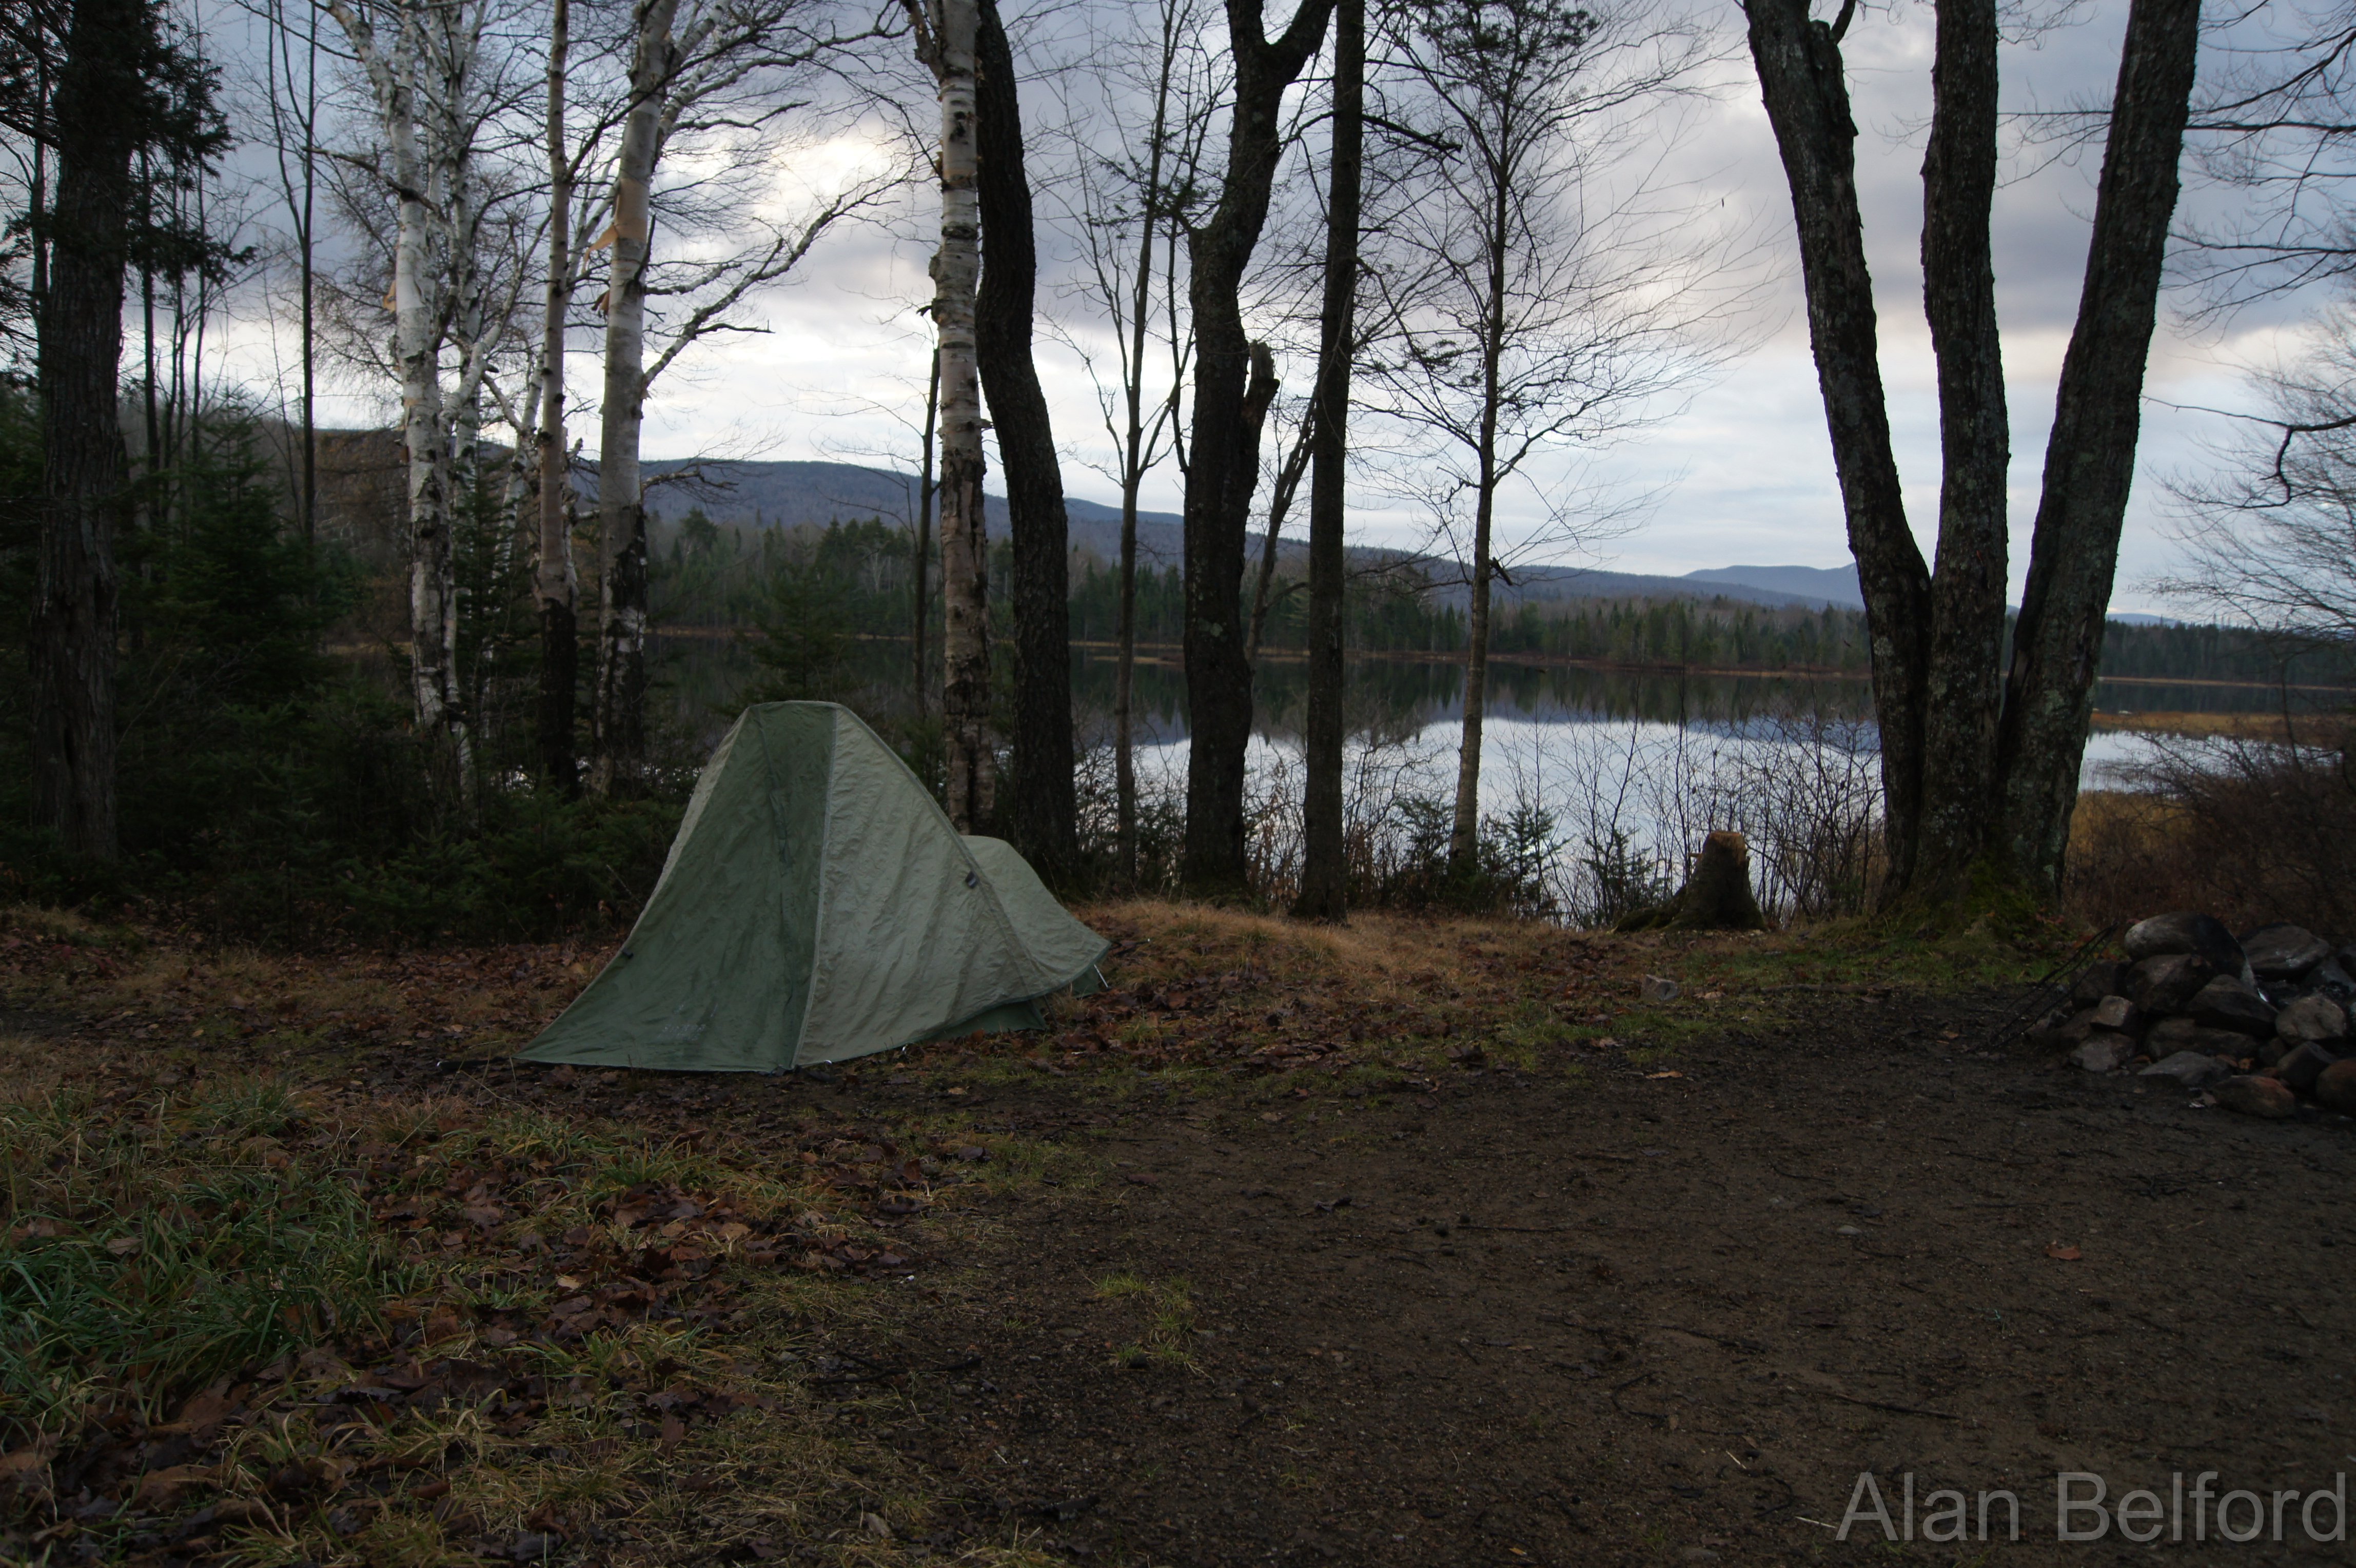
2244 829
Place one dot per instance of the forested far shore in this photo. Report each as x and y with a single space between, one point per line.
854 580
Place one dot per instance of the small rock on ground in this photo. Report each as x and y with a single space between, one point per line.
2104 1051
2267 1097
2193 1069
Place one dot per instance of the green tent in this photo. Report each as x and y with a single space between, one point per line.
817 904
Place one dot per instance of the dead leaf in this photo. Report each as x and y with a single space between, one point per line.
205 1411
159 1487
2067 1254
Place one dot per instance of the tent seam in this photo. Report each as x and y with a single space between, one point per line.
973 868
825 867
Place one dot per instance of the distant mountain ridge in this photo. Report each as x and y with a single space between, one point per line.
1835 586
807 495
804 495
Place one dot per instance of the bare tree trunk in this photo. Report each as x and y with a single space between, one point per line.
621 691
152 455
1150 215
553 577
1800 77
1043 818
1324 869
1223 468
1124 675
1464 825
310 291
1279 503
1962 684
922 606
2089 456
37 212
75 592
964 565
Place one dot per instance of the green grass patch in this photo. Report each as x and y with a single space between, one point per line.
1170 1318
149 1253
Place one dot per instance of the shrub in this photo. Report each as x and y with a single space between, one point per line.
2251 831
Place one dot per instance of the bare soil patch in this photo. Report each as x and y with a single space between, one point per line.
1630 1316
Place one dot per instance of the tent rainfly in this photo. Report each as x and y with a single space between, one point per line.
817 904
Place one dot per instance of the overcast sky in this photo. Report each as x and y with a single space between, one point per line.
1742 472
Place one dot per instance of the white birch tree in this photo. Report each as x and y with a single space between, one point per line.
723 79
945 31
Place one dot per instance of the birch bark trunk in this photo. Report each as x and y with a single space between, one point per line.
619 756
417 345
553 575
964 565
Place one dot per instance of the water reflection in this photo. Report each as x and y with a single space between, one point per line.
703 679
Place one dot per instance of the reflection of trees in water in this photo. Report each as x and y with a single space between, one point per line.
703 677
1398 695
2142 697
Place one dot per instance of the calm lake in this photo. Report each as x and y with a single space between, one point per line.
1547 723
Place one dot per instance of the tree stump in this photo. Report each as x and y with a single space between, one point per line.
1716 898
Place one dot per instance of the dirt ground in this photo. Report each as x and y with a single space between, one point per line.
1419 1246
1642 1316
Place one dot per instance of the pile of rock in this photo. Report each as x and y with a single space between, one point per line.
2260 1023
